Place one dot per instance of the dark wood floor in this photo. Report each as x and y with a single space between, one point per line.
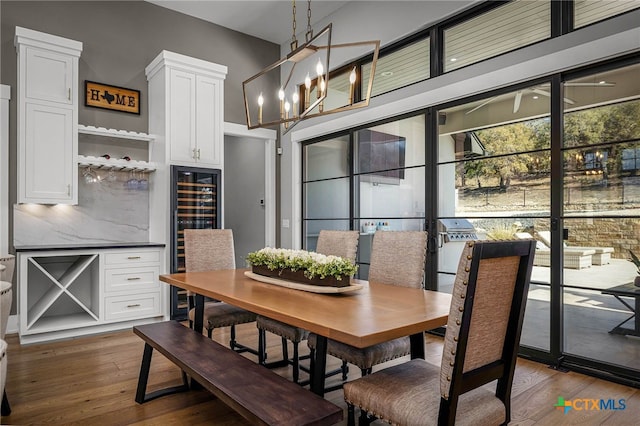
92 381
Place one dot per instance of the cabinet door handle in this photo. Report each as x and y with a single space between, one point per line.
69 190
135 305
69 93
198 153
133 257
133 278
194 156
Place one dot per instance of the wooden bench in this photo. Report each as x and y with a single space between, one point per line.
255 392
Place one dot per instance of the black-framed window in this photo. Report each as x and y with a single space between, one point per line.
367 179
484 31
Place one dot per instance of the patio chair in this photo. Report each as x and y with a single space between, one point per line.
574 257
336 243
397 258
601 255
212 249
480 346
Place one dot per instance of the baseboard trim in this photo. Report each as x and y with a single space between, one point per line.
12 325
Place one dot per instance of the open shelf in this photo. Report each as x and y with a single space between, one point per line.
113 133
115 164
62 322
60 287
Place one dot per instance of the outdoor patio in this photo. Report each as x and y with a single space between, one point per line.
589 315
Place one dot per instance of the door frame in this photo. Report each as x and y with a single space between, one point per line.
269 137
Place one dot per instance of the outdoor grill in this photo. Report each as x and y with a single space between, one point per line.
454 230
453 233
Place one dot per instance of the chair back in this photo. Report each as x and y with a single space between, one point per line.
209 249
9 262
338 243
398 258
485 320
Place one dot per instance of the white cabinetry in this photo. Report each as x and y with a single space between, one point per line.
131 285
186 101
47 117
65 293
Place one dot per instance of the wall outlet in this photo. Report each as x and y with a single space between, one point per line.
285 223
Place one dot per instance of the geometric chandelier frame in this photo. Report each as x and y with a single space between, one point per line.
295 103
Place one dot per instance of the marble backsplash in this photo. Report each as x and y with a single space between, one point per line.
112 207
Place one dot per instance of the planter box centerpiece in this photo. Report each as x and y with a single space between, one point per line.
302 266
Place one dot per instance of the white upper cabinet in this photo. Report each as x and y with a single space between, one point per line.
47 117
186 99
49 76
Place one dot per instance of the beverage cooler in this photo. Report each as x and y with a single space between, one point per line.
195 204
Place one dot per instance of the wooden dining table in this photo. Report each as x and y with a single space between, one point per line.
373 314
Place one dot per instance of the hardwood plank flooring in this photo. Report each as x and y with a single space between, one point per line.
92 381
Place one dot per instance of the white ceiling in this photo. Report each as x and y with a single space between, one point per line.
269 20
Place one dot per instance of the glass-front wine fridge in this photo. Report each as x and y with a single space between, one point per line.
195 204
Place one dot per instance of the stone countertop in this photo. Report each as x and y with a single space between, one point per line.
80 246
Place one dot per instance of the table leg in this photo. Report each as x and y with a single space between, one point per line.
637 313
417 345
624 331
199 313
319 366
198 325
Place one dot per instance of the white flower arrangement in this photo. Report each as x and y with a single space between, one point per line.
311 263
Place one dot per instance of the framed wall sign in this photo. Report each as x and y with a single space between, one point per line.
116 98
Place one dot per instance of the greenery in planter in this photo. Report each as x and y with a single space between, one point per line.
311 263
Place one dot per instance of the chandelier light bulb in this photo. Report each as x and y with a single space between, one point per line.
307 82
295 98
260 103
352 76
281 97
287 106
319 68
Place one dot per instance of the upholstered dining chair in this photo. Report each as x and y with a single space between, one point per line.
6 409
7 266
330 242
212 249
480 346
397 258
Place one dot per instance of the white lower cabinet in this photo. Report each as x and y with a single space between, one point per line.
73 292
132 306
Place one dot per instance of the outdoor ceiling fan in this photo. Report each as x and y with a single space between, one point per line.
540 91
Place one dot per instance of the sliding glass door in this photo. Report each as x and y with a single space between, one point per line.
601 162
494 183
556 160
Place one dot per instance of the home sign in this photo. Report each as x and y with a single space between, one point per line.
111 97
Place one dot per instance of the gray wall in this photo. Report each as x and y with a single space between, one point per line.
120 38
244 186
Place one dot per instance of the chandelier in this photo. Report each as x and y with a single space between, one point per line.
301 85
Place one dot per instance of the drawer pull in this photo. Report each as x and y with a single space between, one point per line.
133 257
133 278
135 305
